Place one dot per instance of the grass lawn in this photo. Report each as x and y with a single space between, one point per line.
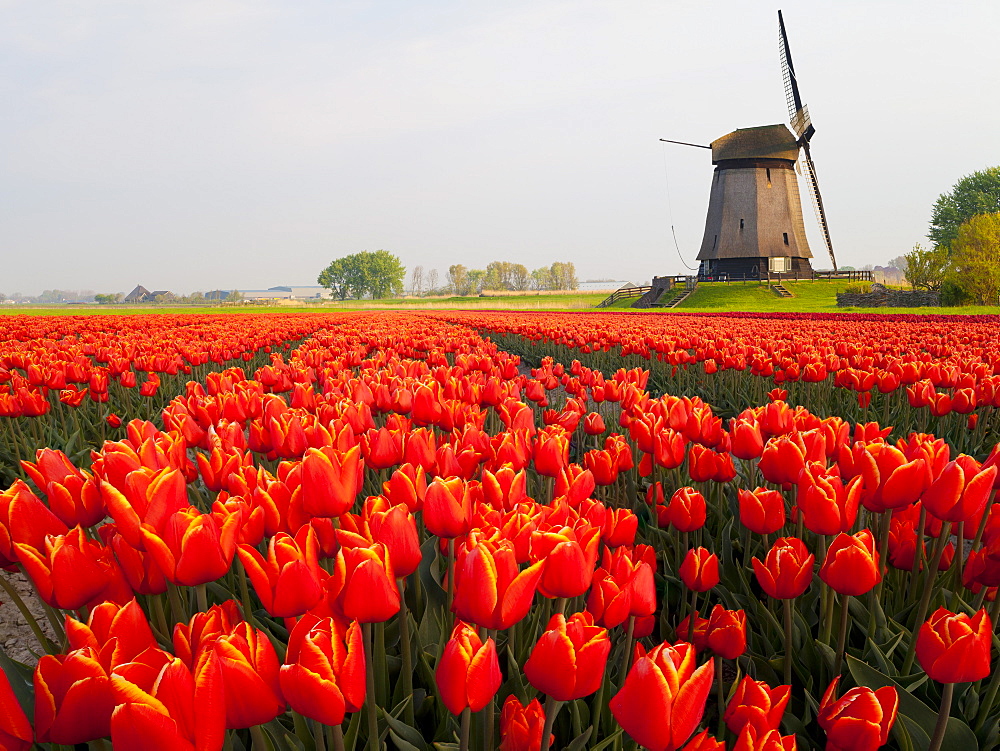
819 296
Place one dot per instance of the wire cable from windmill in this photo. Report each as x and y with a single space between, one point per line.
670 211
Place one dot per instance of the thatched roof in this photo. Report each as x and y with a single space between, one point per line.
763 142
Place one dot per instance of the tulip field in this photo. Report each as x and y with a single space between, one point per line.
501 530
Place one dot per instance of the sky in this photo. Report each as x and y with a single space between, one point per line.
202 144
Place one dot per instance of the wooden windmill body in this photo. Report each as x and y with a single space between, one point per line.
754 221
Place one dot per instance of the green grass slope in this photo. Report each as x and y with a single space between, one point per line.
807 297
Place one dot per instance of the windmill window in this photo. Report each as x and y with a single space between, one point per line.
715 243
741 224
768 177
785 236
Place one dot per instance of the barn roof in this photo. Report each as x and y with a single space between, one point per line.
762 142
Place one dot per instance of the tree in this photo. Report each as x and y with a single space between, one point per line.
107 299
432 281
475 279
417 280
978 193
926 267
541 278
376 274
458 279
520 277
975 256
563 276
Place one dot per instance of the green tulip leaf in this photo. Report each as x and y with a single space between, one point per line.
580 742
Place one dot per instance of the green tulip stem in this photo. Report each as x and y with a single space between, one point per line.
561 605
259 739
552 707
693 617
43 640
319 739
489 714
406 675
919 555
463 744
845 624
720 696
958 564
942 719
338 738
787 663
995 612
629 640
370 708
451 572
925 597
245 594
988 699
202 593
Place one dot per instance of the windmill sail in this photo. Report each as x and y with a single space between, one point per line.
801 123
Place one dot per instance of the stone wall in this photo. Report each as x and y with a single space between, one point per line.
882 297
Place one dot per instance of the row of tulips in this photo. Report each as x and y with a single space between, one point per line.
397 531
920 372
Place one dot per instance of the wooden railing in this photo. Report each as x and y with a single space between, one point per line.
623 294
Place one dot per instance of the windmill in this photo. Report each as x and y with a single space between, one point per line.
754 223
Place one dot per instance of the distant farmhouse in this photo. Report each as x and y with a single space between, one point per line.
141 294
314 292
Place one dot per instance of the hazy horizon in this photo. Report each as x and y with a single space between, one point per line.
246 144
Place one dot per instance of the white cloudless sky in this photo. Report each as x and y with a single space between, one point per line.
201 144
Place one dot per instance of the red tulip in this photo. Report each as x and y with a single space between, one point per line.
24 519
860 720
593 424
288 581
954 648
704 742
324 672
747 441
363 584
851 566
569 556
687 509
193 548
727 632
395 528
663 698
521 727
448 507
468 673
15 732
762 511
757 705
73 495
788 569
551 451
73 570
331 480
958 494
700 570
74 698
568 660
751 740
177 711
490 591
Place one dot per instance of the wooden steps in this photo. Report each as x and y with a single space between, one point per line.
780 290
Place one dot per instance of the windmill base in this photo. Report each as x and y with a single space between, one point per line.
735 269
